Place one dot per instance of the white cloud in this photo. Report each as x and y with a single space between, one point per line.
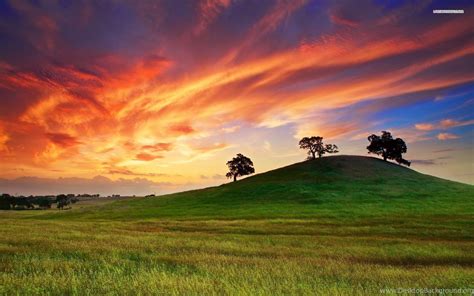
231 129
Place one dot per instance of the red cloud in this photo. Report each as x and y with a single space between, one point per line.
63 140
181 129
209 10
147 156
340 20
106 97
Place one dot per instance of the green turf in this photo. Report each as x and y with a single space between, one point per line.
337 225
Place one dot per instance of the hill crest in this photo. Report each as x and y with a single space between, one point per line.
347 186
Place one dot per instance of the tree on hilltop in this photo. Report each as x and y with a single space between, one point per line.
388 147
239 166
315 145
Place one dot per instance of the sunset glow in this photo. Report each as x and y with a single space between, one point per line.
156 96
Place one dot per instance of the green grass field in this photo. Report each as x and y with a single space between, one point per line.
339 225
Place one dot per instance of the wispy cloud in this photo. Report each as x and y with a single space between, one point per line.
443 124
446 136
187 81
425 126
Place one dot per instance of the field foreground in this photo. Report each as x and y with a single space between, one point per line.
339 225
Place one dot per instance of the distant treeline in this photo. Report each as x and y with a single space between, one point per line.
10 202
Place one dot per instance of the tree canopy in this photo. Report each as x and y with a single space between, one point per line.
315 145
239 166
388 147
9 202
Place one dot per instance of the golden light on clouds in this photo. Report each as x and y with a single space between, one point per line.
159 98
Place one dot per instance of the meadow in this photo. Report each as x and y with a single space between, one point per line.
335 226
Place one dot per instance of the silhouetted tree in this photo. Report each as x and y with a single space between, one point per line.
388 147
23 202
315 146
43 202
62 200
403 161
239 166
6 201
330 148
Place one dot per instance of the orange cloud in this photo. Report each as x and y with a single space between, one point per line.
3 141
181 129
447 123
446 136
158 147
443 124
450 123
147 156
122 108
424 126
330 130
127 172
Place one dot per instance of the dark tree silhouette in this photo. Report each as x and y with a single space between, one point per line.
23 202
43 202
330 148
62 201
239 166
315 146
6 201
388 147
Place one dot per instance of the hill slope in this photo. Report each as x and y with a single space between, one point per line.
337 186
338 225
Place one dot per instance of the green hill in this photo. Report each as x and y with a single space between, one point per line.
341 225
337 186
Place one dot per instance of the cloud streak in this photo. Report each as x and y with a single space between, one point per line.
447 136
149 85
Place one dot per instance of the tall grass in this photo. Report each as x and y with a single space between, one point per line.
333 227
265 257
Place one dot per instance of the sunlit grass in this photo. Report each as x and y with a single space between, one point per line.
238 257
275 234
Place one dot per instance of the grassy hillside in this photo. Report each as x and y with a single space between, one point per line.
342 186
334 226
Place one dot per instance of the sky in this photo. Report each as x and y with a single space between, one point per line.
140 97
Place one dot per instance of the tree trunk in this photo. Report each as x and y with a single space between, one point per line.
314 154
235 178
